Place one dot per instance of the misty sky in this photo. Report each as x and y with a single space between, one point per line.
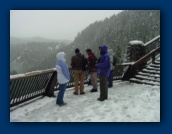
54 24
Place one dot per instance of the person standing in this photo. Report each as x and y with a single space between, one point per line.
63 77
110 78
103 72
92 69
77 65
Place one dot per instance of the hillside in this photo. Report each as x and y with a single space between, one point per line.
33 56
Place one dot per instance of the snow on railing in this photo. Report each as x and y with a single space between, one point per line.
33 73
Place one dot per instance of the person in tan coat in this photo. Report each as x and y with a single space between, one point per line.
77 65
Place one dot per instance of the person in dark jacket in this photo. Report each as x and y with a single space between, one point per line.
77 65
103 72
92 69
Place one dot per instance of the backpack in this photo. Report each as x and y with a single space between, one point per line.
114 60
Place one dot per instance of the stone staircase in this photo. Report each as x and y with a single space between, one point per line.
149 75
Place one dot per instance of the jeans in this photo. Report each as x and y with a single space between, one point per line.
110 79
62 89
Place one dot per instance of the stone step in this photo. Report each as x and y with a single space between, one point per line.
154 65
157 62
158 58
151 71
147 78
152 68
148 74
134 80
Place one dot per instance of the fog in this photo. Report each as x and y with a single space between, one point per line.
54 24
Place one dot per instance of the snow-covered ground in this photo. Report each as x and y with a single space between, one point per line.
127 102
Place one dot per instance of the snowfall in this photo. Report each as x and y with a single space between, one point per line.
127 102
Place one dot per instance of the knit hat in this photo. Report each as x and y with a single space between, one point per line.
77 50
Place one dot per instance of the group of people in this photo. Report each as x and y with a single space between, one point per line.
102 67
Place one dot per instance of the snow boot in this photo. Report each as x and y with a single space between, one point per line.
93 90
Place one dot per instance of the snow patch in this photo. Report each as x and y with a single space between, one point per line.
136 42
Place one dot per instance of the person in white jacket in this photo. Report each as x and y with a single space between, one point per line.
63 77
110 78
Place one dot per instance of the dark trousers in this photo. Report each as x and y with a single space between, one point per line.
103 87
110 79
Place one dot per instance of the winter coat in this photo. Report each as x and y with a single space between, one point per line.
92 62
63 75
77 61
104 64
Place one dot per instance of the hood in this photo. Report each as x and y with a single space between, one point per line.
104 49
60 56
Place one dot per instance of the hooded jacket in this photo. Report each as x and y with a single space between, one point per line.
104 64
63 75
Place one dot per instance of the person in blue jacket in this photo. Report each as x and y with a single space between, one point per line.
103 72
63 77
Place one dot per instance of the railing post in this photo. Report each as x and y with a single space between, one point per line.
153 58
49 91
128 73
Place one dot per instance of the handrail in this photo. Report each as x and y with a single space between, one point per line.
36 73
125 64
30 74
146 56
152 44
153 40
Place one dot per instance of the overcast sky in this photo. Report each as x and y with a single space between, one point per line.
54 24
